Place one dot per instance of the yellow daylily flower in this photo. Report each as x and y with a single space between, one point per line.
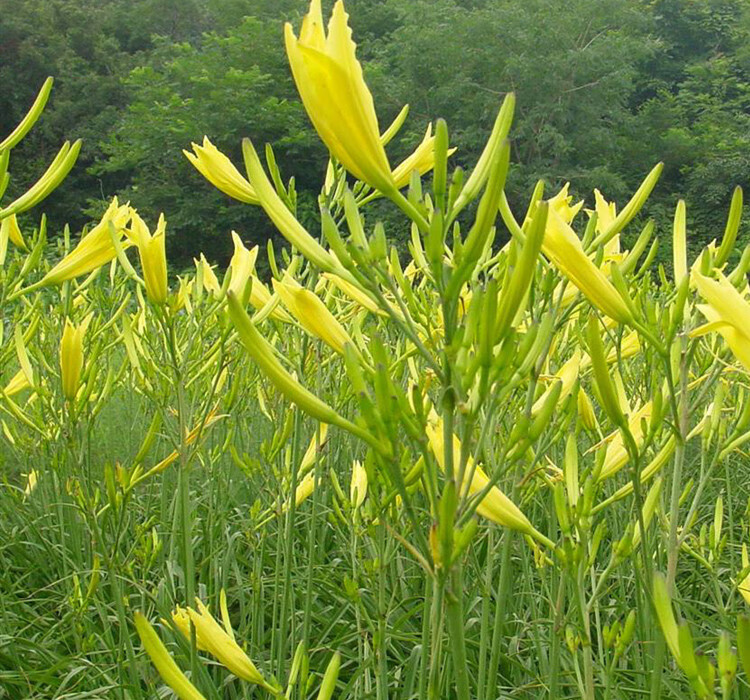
18 383
210 280
330 82
727 312
94 249
495 506
567 374
164 663
422 160
210 636
32 478
152 252
617 456
71 357
242 265
606 213
9 228
358 486
317 443
564 249
210 162
312 313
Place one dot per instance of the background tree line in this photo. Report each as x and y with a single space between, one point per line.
604 90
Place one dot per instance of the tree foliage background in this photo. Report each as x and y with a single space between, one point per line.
604 90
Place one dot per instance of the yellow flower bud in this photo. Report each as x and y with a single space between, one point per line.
71 357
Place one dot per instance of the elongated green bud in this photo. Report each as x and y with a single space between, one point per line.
732 227
631 259
632 207
727 660
332 235
544 415
479 174
514 292
561 509
570 469
665 615
263 354
329 679
440 169
743 641
53 176
30 119
606 388
679 243
488 206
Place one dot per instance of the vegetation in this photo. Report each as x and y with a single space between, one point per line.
469 440
604 90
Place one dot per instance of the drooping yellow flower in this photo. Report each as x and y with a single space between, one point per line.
220 172
358 486
152 252
9 228
606 213
164 663
17 383
210 636
728 313
94 249
330 82
567 374
353 292
71 357
31 481
617 455
312 313
495 506
317 443
564 249
210 280
422 160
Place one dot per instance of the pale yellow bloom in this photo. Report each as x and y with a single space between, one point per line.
152 252
18 383
210 636
9 228
617 456
94 249
304 489
422 160
242 265
71 357
312 313
567 374
317 443
353 292
31 481
330 82
728 312
220 172
495 506
164 663
210 280
564 249
358 486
